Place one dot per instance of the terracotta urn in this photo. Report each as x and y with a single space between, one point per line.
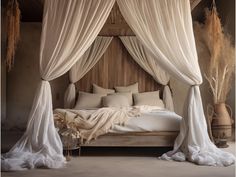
221 125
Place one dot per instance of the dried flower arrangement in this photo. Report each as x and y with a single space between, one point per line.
13 31
68 132
219 53
222 55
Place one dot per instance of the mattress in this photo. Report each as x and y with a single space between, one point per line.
155 120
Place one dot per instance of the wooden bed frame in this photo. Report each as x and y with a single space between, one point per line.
135 139
117 68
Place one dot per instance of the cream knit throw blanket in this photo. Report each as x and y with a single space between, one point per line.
90 124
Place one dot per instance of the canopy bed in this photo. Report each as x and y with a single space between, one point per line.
153 128
70 28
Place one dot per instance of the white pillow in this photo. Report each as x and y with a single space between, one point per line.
148 98
115 101
89 100
98 89
128 96
131 88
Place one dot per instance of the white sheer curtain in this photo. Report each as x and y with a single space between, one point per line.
69 28
83 65
143 57
165 28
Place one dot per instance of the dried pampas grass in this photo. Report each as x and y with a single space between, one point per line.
220 52
214 34
13 31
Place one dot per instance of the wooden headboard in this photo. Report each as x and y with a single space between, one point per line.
117 68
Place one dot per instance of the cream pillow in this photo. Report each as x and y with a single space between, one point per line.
98 89
131 88
148 98
89 100
115 101
128 96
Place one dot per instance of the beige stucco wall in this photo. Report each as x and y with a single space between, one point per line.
23 80
226 11
3 72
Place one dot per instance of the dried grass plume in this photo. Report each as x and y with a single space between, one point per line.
13 31
221 55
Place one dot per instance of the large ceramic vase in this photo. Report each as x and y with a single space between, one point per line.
221 125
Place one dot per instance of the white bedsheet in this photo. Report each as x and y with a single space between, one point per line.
155 120
152 119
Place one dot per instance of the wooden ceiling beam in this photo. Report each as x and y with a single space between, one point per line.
194 3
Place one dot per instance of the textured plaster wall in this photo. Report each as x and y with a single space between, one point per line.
226 11
23 80
3 72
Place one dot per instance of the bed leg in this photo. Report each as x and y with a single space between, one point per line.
79 151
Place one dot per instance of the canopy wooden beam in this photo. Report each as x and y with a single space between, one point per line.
194 3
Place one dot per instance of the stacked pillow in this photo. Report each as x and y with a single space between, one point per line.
89 100
123 97
120 99
131 88
98 89
115 100
148 98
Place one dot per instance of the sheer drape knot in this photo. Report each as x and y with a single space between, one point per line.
195 85
44 80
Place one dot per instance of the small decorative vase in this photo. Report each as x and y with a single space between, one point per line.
221 125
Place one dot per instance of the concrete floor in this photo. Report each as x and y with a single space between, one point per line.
102 164
126 167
